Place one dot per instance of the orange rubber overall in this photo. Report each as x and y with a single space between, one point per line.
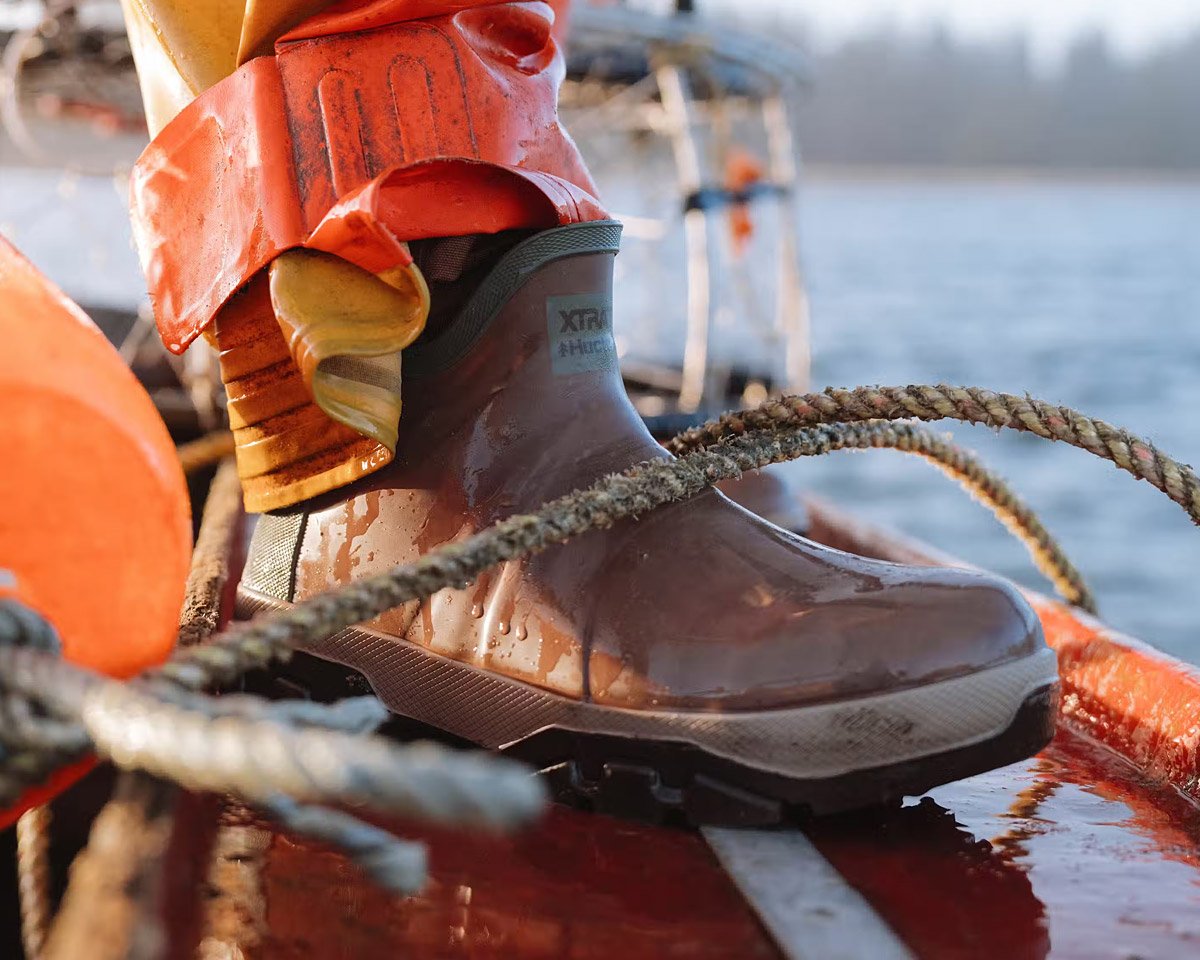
95 527
375 123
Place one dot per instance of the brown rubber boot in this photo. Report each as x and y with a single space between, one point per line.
768 496
699 659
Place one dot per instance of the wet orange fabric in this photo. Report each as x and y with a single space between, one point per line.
95 527
375 123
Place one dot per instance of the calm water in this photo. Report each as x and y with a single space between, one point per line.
1086 294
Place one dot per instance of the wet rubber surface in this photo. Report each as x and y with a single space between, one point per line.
1069 855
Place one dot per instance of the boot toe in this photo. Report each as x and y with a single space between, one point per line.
936 624
736 614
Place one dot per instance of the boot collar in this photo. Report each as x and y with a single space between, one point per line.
428 358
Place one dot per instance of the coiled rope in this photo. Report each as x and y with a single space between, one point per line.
58 711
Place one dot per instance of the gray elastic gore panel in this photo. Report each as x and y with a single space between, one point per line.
271 559
514 268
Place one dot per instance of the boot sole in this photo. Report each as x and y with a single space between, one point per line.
752 768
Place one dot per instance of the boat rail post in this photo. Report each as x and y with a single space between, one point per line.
793 318
674 91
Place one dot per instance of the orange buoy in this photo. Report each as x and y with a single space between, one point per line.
95 525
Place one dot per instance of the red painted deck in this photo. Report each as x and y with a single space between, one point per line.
580 886
1071 855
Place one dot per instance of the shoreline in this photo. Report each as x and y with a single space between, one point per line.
883 173
120 154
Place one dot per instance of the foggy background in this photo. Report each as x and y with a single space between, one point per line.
1094 85
889 97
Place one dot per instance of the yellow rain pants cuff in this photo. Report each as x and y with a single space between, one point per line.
310 356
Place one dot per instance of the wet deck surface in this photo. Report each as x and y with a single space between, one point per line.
580 887
1068 855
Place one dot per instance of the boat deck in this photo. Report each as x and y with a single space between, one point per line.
1073 854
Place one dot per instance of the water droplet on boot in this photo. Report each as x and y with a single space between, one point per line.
503 627
477 611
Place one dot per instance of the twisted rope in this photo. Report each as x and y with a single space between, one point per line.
259 759
986 486
393 864
21 627
260 751
33 879
1130 453
32 745
244 751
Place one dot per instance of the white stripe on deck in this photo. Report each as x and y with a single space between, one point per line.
805 904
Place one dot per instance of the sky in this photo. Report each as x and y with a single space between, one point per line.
1132 26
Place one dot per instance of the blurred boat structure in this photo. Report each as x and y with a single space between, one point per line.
717 313
717 100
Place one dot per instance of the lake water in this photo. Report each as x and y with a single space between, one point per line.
1086 294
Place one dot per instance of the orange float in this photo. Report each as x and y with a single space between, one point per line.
95 526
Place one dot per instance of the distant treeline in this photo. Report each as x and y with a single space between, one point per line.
897 99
